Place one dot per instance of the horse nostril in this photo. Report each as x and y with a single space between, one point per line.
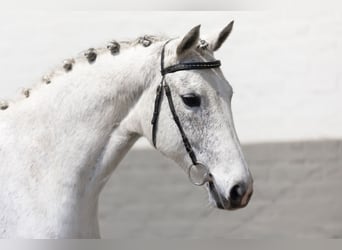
237 192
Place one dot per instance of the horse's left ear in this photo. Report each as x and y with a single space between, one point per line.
189 41
216 43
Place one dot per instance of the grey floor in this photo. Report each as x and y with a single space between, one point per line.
297 193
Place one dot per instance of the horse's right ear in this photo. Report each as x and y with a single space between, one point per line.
216 43
189 41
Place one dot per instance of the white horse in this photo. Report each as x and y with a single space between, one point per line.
60 143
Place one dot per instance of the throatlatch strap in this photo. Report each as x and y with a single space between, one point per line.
156 111
157 102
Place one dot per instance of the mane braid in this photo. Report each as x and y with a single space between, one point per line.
114 47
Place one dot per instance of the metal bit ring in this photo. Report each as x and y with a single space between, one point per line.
207 177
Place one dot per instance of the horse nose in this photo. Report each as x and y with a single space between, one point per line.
240 194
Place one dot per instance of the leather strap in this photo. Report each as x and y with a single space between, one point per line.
163 86
155 117
190 66
186 142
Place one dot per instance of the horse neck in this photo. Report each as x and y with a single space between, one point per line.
72 132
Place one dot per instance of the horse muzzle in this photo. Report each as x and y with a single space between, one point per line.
239 194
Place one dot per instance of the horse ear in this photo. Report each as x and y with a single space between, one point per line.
216 43
189 41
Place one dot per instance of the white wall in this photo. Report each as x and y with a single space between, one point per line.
284 68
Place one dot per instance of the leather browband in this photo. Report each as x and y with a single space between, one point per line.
190 66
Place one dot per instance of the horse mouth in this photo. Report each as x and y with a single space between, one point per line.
220 202
223 203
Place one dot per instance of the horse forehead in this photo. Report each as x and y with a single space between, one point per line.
209 79
214 81
215 88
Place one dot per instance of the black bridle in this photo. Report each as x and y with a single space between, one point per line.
164 86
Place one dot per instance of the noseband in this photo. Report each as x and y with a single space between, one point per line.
164 86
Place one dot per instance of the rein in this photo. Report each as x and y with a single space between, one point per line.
163 86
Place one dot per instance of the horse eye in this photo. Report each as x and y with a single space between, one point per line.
191 100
